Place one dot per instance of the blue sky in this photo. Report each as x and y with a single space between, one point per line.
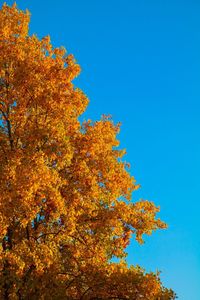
141 63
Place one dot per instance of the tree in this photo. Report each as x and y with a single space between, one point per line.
65 192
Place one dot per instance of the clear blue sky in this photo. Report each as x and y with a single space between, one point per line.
141 63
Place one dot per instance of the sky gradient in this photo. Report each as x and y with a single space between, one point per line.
141 63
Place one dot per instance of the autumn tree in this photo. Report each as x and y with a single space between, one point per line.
65 192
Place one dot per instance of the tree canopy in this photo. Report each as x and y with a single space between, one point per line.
65 191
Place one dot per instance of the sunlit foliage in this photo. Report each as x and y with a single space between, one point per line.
65 192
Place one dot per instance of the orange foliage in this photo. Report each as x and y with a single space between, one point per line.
65 192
